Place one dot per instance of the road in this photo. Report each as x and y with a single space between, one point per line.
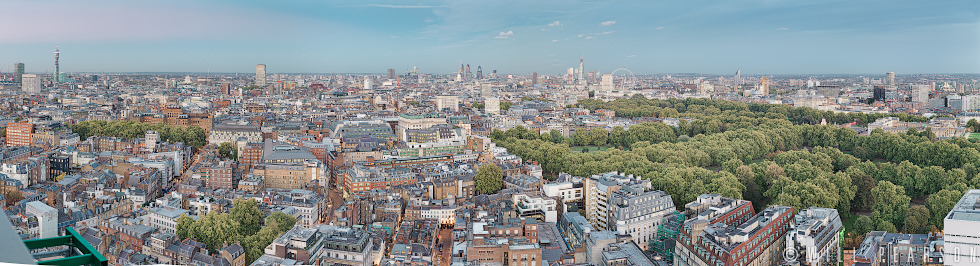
444 257
335 199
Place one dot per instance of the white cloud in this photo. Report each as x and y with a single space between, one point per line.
402 6
783 28
555 24
581 35
505 35
588 38
607 32
608 23
554 40
631 56
660 28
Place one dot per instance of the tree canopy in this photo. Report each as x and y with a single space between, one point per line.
192 136
489 178
770 154
244 224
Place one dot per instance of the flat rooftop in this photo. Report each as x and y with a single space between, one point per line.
968 208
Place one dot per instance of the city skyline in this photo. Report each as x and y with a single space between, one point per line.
779 37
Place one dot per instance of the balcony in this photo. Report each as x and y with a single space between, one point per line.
70 249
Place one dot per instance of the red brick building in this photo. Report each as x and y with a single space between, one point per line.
19 133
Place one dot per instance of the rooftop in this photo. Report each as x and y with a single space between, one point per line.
275 151
968 208
730 237
169 212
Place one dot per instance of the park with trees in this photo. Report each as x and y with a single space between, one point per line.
192 136
771 154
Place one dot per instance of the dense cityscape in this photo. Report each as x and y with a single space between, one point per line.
483 168
490 133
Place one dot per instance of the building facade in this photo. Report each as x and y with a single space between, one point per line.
961 234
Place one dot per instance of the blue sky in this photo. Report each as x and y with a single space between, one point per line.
512 36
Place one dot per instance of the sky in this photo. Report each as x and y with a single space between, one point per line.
511 36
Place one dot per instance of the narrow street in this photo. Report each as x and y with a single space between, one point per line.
443 253
335 199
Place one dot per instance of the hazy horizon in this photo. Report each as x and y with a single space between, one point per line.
548 37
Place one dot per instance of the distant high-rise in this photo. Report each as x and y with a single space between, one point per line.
920 93
879 93
890 78
534 79
450 102
738 77
459 76
225 88
607 82
581 69
479 72
260 75
764 87
57 69
18 72
391 73
31 84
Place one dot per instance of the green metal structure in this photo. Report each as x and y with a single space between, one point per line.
89 255
667 233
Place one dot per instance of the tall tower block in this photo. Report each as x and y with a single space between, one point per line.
19 73
57 69
260 75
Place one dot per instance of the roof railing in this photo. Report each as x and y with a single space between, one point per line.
88 254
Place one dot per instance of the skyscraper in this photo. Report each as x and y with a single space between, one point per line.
534 79
459 76
391 73
260 75
890 78
18 72
57 69
479 72
738 76
581 70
